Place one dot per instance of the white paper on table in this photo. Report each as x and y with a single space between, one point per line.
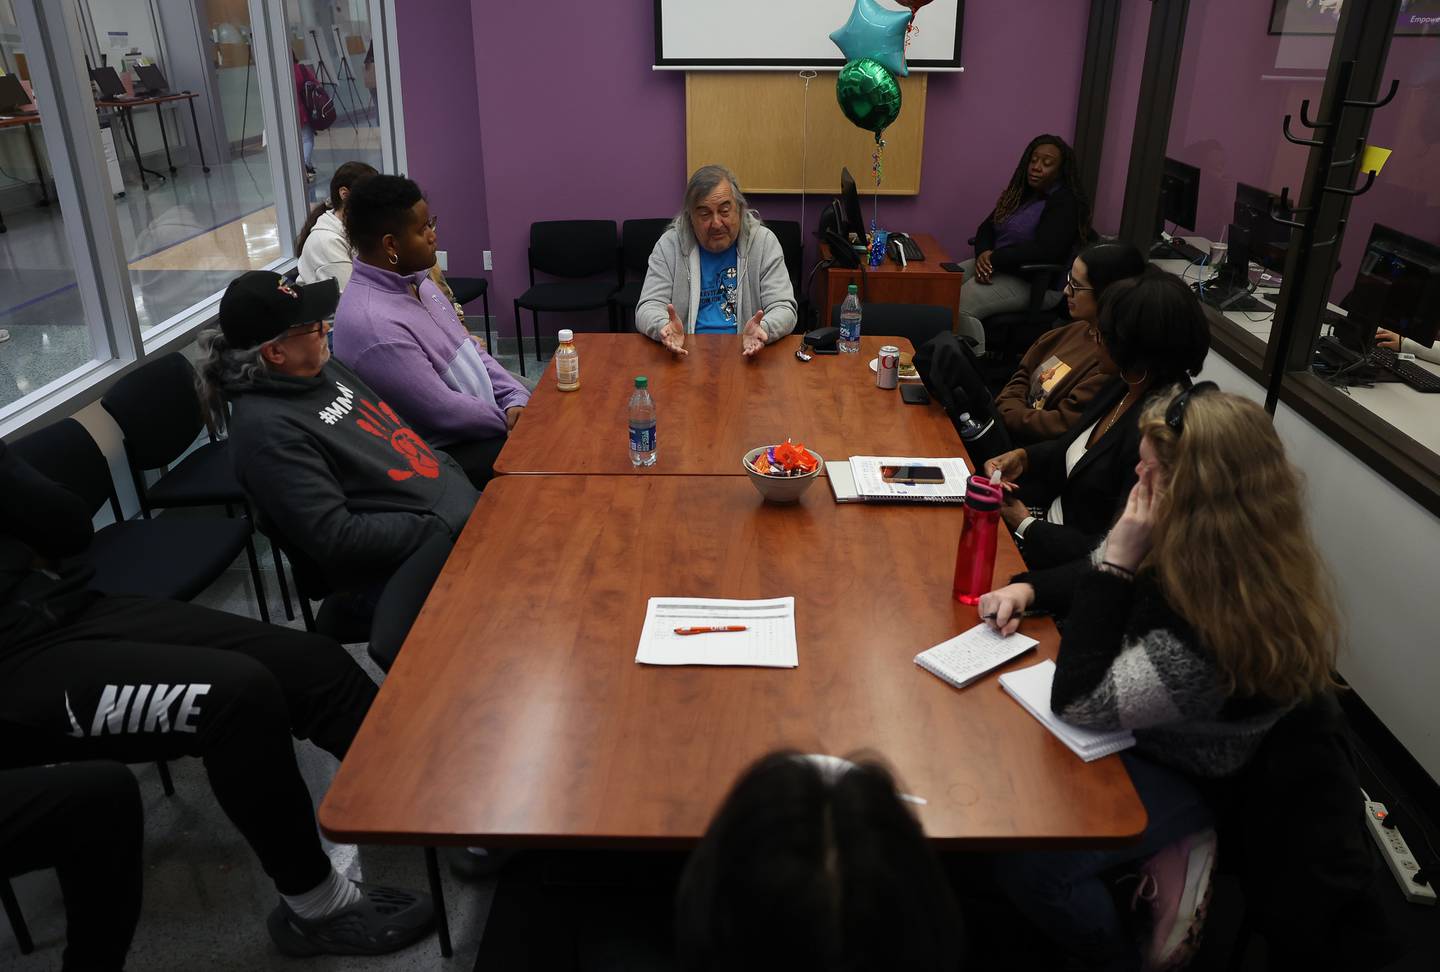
868 482
768 642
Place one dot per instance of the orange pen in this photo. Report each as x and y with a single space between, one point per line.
708 630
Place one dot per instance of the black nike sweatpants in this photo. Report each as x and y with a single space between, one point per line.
139 679
85 821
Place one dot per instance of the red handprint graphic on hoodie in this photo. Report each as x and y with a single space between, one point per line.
382 422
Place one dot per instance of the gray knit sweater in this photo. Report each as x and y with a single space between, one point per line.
1128 661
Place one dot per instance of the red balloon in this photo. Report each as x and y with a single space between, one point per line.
912 5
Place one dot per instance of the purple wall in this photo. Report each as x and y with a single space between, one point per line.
442 125
590 131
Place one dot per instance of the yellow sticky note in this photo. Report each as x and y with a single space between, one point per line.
1374 159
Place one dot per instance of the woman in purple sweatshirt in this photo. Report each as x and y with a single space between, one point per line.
400 334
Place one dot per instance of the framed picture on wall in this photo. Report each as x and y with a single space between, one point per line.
1417 18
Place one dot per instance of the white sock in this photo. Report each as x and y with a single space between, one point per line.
323 900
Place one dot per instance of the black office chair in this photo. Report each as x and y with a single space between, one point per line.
169 557
468 289
917 323
637 240
1009 334
311 585
792 244
572 249
160 416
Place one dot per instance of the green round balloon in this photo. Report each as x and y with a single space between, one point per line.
868 94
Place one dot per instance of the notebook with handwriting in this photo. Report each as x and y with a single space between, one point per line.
968 655
1031 688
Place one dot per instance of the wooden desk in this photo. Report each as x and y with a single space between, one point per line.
714 406
922 282
516 714
126 106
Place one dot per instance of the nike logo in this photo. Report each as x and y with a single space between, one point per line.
141 708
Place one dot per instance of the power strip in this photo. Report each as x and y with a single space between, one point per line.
1397 854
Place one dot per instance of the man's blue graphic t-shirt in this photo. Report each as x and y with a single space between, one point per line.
718 292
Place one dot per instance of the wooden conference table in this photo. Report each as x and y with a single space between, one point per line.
516 714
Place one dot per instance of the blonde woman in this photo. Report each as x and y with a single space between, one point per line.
1204 616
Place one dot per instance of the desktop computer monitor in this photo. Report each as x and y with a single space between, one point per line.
152 79
1238 254
852 221
1179 194
111 86
1398 285
1269 239
12 94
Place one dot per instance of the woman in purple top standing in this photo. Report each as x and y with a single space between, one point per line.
400 334
1040 217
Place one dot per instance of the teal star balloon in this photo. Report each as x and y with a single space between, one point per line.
874 32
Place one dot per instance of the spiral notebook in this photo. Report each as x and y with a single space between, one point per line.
967 656
1031 688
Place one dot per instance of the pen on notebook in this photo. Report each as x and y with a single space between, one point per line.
710 629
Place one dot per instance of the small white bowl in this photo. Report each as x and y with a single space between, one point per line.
781 489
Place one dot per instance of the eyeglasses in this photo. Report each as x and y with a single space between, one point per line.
1073 287
319 327
1175 414
430 223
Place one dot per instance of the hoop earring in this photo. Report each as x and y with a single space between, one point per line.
1140 381
394 259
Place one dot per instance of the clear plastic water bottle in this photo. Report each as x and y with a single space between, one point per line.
850 322
642 424
567 363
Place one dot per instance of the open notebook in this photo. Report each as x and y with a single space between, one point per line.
967 656
858 480
1031 688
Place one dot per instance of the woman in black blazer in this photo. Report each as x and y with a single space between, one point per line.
1068 491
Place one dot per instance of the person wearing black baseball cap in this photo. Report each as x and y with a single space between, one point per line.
335 473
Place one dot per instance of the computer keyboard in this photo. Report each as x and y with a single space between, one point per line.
1178 249
1409 372
1231 299
912 251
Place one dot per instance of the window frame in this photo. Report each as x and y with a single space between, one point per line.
55 39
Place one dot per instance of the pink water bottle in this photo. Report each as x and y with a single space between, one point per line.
975 555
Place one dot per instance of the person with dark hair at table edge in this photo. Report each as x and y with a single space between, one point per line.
716 270
330 466
87 676
1066 368
814 862
1041 215
322 246
400 332
1156 640
1065 492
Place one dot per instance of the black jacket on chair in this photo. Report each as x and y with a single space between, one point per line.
1094 493
1055 236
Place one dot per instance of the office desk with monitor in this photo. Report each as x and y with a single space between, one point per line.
517 715
1415 414
125 107
921 282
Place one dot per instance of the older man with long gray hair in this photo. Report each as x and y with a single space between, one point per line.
716 270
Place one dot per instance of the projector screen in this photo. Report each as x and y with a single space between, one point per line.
763 35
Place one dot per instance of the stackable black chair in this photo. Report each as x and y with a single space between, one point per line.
169 557
637 239
160 415
468 289
573 249
917 323
792 244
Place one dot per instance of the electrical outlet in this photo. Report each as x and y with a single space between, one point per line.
487 261
1397 854
442 257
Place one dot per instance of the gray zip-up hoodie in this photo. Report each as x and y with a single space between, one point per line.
674 278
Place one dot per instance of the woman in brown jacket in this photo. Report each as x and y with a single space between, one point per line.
1067 367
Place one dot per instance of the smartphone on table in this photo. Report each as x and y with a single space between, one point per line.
913 475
